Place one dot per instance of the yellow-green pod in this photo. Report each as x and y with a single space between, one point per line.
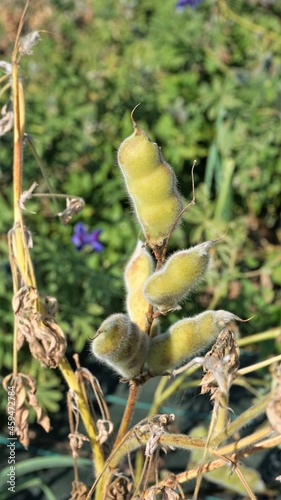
185 339
151 184
168 287
120 344
138 269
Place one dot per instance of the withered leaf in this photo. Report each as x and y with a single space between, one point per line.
42 417
76 441
166 492
46 339
224 352
74 205
79 491
25 389
105 428
120 489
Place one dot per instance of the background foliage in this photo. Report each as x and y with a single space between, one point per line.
209 84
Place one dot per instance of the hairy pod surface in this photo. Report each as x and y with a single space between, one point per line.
138 269
185 339
182 272
120 344
151 184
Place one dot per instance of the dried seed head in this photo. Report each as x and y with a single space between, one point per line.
151 184
74 205
27 42
136 273
185 339
120 344
183 271
226 351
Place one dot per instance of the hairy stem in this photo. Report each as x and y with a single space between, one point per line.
241 421
133 395
85 413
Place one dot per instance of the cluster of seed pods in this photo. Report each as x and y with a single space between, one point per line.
122 341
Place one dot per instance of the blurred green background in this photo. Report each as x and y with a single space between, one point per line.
209 83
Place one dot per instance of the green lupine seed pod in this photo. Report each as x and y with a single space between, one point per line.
138 269
185 339
180 275
120 344
151 184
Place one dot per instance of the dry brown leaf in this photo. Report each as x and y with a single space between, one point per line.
76 441
24 388
225 350
51 304
74 205
42 417
166 492
45 337
21 411
156 426
79 491
119 489
20 337
105 428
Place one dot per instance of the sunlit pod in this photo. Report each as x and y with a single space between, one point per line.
151 184
120 344
183 271
137 271
185 339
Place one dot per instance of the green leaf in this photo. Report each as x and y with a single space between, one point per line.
39 463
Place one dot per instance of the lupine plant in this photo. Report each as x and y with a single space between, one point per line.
136 344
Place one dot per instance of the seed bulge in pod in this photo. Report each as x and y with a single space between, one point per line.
183 271
120 344
185 339
151 184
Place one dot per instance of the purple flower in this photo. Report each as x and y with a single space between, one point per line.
183 3
82 238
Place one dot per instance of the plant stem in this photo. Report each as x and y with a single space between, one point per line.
258 366
135 440
255 439
163 394
272 333
17 144
215 464
85 413
241 421
17 194
133 395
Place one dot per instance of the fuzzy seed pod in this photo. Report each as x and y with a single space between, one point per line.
120 344
169 286
185 339
151 183
138 269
